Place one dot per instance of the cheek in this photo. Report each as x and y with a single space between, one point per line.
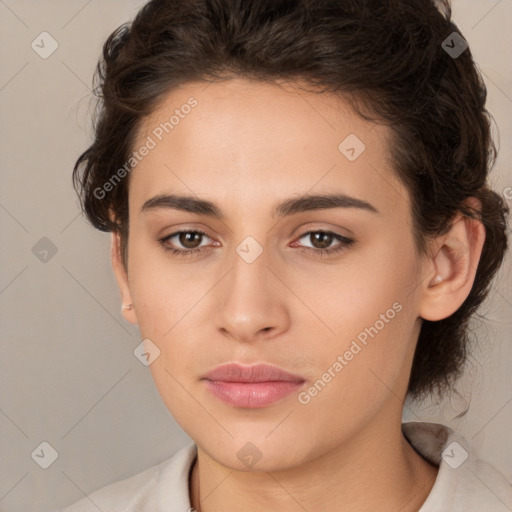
373 314
162 291
368 285
361 368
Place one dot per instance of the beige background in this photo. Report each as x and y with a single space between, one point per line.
68 373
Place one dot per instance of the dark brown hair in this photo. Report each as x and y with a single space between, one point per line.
389 58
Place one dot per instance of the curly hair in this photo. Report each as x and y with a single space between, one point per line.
388 58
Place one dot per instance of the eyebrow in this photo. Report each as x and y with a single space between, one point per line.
288 207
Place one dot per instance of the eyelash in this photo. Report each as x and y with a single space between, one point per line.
183 253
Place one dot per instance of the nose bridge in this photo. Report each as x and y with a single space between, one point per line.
248 279
248 301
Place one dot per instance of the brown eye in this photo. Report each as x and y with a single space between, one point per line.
321 240
184 243
189 239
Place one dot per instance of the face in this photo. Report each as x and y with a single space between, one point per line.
325 289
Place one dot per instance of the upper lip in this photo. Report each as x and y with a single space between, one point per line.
235 372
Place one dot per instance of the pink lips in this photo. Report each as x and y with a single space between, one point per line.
251 386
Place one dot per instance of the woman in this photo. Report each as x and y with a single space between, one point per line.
301 228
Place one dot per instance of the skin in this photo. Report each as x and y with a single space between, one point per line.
248 146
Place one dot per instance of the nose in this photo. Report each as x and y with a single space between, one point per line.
252 301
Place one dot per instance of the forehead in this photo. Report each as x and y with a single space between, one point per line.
244 108
248 140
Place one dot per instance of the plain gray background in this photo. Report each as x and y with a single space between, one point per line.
68 373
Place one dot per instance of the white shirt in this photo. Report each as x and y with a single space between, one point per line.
464 482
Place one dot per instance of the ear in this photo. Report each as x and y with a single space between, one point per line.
452 266
122 279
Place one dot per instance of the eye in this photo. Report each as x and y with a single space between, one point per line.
321 242
190 240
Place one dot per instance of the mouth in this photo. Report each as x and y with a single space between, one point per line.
253 386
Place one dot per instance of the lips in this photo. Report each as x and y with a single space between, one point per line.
251 386
233 372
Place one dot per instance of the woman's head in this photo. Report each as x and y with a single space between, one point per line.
250 104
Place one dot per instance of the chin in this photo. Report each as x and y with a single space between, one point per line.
256 452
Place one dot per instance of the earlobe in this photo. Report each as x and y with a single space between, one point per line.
453 267
127 309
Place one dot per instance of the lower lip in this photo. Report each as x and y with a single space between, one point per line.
252 395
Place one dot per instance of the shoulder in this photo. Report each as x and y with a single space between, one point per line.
464 481
146 491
